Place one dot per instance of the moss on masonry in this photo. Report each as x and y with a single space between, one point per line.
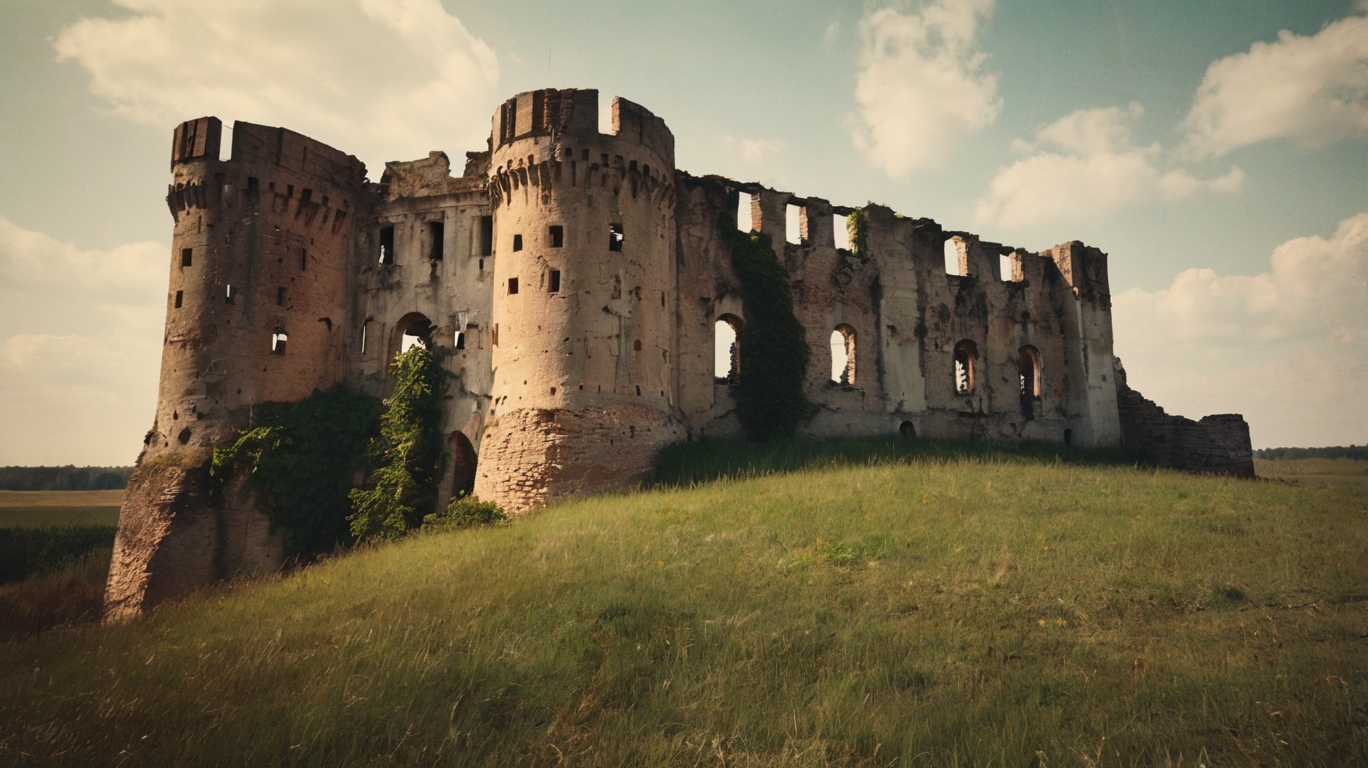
773 346
300 459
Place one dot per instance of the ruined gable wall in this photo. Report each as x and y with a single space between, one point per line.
438 282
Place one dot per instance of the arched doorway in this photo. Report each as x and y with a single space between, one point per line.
726 349
459 477
411 329
843 355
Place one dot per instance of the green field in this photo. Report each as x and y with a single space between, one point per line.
1342 472
1012 609
42 509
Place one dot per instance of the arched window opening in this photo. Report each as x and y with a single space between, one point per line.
1028 371
413 329
843 355
966 360
278 339
907 430
726 352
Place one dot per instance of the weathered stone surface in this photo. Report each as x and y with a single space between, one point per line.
1216 444
572 281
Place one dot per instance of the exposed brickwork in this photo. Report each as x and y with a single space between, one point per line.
1216 444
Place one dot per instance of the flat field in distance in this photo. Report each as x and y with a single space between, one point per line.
1345 472
852 604
38 509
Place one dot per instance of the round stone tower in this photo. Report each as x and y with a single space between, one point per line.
584 298
260 269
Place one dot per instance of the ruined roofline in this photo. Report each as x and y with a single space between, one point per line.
573 112
200 140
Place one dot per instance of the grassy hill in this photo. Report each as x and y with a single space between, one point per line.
925 609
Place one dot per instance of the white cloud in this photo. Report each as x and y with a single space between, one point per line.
755 151
1287 347
1313 90
381 79
80 348
1085 166
921 86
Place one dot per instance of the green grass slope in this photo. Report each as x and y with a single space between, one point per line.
913 611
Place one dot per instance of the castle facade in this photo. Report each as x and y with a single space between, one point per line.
584 290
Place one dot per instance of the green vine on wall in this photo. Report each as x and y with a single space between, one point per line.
300 460
857 228
408 455
773 345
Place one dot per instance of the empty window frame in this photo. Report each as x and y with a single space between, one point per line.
278 339
230 295
459 340
726 350
1005 268
966 361
303 259
187 255
1028 372
436 240
843 355
794 219
387 245
180 297
553 284
840 231
512 285
745 212
615 236
517 242
280 296
557 236
486 235
955 261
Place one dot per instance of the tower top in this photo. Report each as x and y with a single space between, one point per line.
573 113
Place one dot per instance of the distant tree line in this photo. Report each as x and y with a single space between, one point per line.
1335 452
66 478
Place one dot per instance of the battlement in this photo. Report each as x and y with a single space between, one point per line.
573 112
201 139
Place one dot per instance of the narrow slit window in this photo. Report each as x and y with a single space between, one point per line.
180 296
278 339
486 235
615 237
437 236
966 358
553 285
512 285
557 236
303 259
280 296
517 242
460 340
1028 372
230 295
187 255
363 338
387 245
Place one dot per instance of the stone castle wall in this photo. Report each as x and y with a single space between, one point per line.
574 280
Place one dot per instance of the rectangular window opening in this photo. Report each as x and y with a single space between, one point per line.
180 295
615 236
252 184
1007 268
280 296
303 259
557 236
387 245
437 233
460 340
744 212
954 261
486 235
554 284
186 256
517 242
793 231
230 296
840 231
512 285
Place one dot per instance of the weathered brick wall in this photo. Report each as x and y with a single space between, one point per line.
1216 444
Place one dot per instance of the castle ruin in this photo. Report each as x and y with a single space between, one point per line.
581 285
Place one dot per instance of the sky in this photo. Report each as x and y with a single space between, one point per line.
1216 149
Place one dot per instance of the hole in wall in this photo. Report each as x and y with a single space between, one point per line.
843 355
726 352
387 245
907 430
615 236
840 231
952 256
436 240
793 226
744 221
